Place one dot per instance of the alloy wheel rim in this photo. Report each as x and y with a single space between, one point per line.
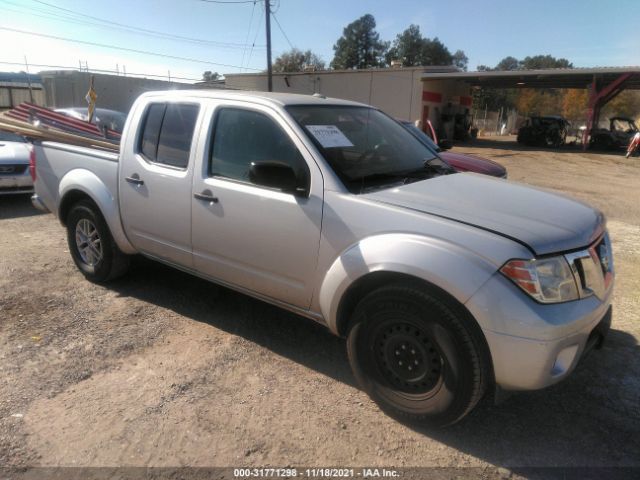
88 242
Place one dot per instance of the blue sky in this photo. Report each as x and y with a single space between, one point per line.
587 32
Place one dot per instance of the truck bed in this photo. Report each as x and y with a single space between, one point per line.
56 162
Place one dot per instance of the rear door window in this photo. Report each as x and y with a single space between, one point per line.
168 132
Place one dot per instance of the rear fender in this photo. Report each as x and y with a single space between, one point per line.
455 270
81 180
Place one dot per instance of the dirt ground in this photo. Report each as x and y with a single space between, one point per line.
163 369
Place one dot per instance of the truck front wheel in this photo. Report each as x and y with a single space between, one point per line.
417 356
92 247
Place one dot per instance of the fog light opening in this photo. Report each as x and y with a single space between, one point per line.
564 360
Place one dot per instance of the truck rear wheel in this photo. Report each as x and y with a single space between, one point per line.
92 247
417 355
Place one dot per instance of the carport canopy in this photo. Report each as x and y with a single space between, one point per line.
603 83
549 78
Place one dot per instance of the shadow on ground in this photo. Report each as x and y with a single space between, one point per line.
14 206
297 338
592 418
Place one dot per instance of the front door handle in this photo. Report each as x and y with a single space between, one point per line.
206 196
135 179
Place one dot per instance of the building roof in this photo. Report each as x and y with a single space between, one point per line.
19 79
547 78
435 69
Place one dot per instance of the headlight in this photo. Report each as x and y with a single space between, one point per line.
548 280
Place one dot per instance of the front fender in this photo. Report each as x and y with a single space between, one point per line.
455 270
90 184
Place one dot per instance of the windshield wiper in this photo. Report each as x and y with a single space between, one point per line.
421 173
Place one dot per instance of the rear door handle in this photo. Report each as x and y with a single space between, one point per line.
206 196
135 180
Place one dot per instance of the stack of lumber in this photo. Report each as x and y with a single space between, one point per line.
43 124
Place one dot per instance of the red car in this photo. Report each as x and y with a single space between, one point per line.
459 161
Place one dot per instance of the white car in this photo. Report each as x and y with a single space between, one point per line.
14 164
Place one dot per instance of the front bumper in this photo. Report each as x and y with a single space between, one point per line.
534 345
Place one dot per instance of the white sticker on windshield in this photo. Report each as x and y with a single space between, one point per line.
329 136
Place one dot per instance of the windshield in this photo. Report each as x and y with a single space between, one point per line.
11 137
111 119
624 125
366 148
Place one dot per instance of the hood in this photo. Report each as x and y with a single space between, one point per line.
14 152
545 222
470 163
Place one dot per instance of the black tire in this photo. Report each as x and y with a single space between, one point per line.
423 329
110 262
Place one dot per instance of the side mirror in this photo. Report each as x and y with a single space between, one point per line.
445 144
278 175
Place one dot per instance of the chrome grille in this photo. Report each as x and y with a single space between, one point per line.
593 268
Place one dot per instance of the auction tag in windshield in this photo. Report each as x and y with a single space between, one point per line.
329 136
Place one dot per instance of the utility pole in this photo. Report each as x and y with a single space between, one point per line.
267 11
26 64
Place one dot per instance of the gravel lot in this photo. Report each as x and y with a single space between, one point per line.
163 369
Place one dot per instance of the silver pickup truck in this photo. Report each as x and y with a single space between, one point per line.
446 286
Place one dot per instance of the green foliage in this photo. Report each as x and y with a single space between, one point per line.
296 60
626 104
540 62
508 63
528 102
412 49
360 46
407 47
435 53
460 60
210 76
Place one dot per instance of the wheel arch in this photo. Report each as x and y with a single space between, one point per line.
374 260
81 184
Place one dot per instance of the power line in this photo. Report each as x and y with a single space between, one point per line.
246 40
281 30
256 37
75 16
114 47
100 70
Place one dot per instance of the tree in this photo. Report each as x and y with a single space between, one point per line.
626 104
508 63
407 47
210 76
295 61
574 104
434 52
412 49
360 46
527 101
539 102
540 62
460 60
